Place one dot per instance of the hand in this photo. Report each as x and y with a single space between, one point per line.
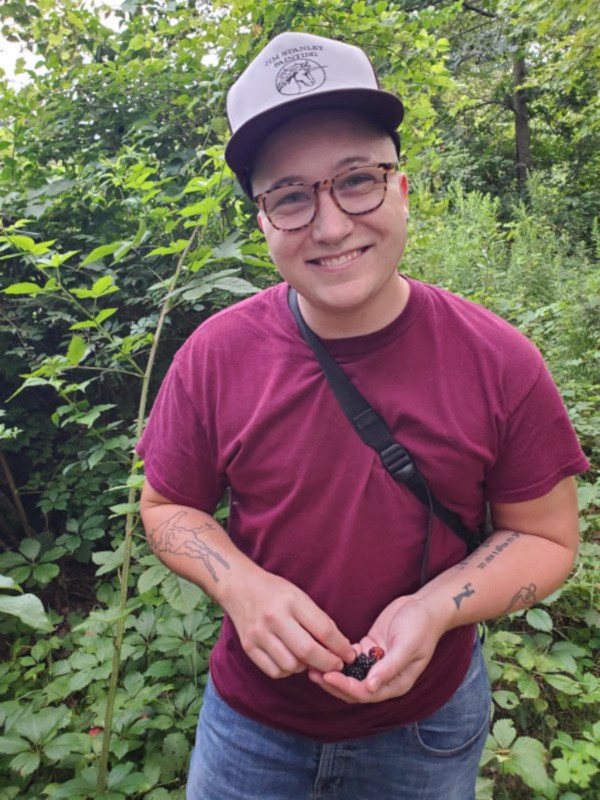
281 629
408 631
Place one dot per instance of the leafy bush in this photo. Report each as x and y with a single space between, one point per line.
121 231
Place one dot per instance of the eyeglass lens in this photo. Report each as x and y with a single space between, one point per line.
356 191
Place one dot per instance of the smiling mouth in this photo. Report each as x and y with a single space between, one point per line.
338 261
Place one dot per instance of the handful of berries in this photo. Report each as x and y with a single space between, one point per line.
359 668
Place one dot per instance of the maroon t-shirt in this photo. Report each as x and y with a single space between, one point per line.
245 406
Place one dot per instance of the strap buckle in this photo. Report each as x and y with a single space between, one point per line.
398 462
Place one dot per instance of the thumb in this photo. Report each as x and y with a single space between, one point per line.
394 669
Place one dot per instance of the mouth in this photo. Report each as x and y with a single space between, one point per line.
338 260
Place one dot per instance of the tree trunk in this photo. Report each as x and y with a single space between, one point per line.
521 124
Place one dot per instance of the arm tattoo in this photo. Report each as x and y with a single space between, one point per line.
172 537
525 595
486 558
468 591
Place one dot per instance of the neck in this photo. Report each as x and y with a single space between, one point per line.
346 322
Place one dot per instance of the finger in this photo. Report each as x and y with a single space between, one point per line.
317 677
309 651
282 656
391 677
265 663
304 645
322 628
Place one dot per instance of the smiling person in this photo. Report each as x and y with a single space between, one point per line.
333 555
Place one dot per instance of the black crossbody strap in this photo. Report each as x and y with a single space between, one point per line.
375 433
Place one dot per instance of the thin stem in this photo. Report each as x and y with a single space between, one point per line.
130 523
15 495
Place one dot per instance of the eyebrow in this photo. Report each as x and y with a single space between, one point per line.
339 165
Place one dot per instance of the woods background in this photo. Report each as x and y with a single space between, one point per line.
121 230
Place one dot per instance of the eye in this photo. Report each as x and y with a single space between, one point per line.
289 198
357 181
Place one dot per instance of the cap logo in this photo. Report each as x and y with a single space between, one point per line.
300 77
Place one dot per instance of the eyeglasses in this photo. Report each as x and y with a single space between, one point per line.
358 190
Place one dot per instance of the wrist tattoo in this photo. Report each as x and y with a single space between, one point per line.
467 592
525 596
173 537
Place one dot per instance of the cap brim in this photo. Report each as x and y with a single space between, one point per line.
384 108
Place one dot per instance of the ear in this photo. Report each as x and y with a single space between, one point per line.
404 185
404 190
260 221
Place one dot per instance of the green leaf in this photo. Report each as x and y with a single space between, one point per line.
505 699
176 748
77 326
121 779
28 608
528 686
124 508
22 242
504 733
236 286
99 252
563 684
8 560
24 287
41 725
197 292
103 284
151 577
89 417
138 42
65 744
104 314
7 583
528 760
21 574
539 619
77 349
25 763
109 560
163 668
9 745
176 247
181 594
44 573
95 457
30 548
203 208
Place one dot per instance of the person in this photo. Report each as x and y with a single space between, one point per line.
323 553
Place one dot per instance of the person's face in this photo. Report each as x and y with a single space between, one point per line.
342 265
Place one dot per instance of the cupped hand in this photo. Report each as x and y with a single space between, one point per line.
281 629
408 631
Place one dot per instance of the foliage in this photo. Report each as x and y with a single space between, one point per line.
27 607
122 230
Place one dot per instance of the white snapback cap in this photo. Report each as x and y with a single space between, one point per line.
298 72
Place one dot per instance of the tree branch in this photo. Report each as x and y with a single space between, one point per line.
15 495
483 12
506 105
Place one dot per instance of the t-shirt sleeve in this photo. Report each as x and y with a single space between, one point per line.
178 461
538 448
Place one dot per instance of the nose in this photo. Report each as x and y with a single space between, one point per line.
330 225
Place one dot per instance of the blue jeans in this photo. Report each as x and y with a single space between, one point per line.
236 758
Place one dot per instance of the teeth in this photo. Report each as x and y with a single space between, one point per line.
338 260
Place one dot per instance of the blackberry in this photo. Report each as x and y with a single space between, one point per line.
360 667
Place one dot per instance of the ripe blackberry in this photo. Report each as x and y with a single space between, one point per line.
359 668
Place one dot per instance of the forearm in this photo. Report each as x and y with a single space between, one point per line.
193 545
509 571
280 628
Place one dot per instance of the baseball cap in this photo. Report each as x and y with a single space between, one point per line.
295 73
